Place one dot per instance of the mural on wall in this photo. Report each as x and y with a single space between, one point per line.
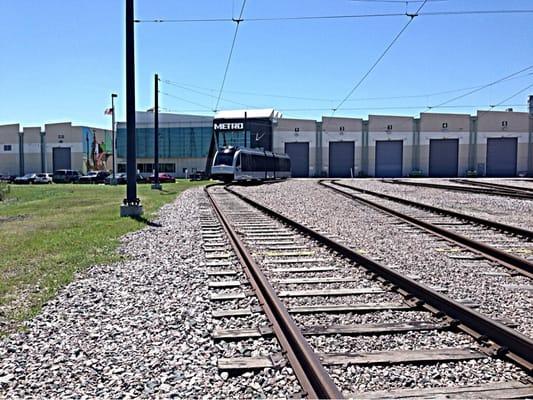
96 149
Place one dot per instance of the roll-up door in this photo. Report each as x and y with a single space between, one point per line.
389 158
299 154
341 159
61 158
443 157
501 156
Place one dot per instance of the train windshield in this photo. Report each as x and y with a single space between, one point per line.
224 158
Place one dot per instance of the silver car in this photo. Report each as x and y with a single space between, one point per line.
43 178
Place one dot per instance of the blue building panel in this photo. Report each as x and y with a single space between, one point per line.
174 142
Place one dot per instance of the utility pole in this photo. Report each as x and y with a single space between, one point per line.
530 138
245 128
113 145
132 205
156 185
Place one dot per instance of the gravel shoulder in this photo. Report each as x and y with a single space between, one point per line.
138 328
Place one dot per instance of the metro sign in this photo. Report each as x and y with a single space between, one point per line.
227 126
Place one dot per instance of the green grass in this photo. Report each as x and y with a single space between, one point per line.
49 233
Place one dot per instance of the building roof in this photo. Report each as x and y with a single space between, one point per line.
254 113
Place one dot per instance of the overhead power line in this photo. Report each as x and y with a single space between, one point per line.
481 88
379 58
344 16
237 21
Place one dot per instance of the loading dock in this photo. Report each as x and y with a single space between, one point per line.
299 154
443 157
389 158
501 156
341 159
61 158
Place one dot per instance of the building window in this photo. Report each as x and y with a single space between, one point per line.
167 167
7 147
504 124
389 128
444 125
121 168
148 168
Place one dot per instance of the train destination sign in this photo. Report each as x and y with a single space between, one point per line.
227 126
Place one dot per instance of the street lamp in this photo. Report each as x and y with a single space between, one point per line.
113 96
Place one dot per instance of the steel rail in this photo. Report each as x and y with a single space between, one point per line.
305 363
515 230
510 261
506 342
500 186
486 191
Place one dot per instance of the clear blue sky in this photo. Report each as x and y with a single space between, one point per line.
61 60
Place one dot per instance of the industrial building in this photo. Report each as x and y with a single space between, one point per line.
57 146
183 143
490 143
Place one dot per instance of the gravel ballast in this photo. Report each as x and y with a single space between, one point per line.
138 328
402 247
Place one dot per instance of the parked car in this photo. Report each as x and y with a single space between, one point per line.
94 177
7 178
198 176
122 179
163 178
26 179
43 178
66 176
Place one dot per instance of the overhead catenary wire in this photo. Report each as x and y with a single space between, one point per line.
206 94
185 100
480 88
511 96
237 21
326 17
379 58
187 86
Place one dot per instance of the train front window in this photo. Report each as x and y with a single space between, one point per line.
224 159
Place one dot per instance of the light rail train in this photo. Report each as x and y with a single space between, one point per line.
243 164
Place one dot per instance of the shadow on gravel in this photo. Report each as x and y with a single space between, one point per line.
146 221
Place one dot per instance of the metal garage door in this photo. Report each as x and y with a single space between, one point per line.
299 154
61 158
501 156
341 159
443 157
389 158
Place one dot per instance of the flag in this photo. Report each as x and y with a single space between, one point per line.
108 111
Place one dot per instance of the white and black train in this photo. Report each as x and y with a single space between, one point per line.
242 164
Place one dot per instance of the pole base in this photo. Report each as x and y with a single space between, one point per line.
131 210
157 186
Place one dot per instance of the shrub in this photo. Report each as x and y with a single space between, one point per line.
4 191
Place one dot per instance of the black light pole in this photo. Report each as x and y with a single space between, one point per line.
113 96
131 206
156 185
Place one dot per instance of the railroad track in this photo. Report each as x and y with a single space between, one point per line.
462 187
498 186
507 245
325 302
